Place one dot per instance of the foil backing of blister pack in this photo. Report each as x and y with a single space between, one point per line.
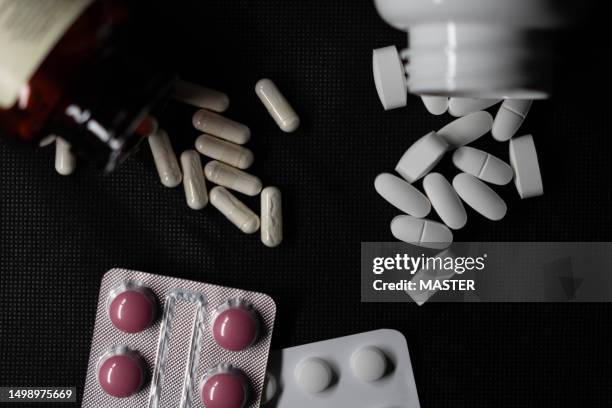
182 337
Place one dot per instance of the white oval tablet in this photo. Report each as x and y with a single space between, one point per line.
465 130
220 126
402 195
444 200
436 105
389 77
482 165
479 196
369 364
421 157
277 105
230 153
524 162
464 106
509 118
313 375
421 232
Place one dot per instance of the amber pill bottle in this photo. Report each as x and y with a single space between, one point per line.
85 70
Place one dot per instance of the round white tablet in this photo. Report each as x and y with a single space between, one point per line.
389 77
369 364
313 375
524 162
421 157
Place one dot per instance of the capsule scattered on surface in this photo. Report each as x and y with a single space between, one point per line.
65 162
230 153
193 180
234 210
232 178
46 141
271 217
220 126
165 160
199 96
276 104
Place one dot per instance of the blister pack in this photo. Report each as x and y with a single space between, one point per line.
165 342
364 370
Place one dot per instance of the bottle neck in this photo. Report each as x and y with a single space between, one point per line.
479 60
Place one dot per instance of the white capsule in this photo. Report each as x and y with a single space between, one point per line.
234 210
232 178
271 217
220 126
445 201
193 180
465 130
421 232
200 96
165 160
277 105
369 364
479 196
524 162
230 153
464 106
402 195
436 105
389 77
46 141
509 118
421 157
313 375
482 165
65 162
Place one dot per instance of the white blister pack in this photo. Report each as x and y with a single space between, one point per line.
365 370
165 342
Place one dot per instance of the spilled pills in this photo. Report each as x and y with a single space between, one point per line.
230 153
421 157
445 201
271 217
402 195
421 232
479 196
524 161
277 105
464 106
466 129
234 210
165 160
232 178
509 118
482 165
220 126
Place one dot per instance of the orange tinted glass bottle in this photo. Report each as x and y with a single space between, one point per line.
81 69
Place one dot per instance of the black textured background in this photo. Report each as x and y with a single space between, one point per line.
58 235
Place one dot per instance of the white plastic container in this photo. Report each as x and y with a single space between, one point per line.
479 48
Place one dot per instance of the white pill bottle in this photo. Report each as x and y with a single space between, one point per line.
480 48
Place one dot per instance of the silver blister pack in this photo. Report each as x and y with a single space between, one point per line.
365 370
178 350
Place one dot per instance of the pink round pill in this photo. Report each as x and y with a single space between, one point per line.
236 328
122 374
227 389
133 309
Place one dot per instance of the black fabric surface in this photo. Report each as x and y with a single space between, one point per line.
58 235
